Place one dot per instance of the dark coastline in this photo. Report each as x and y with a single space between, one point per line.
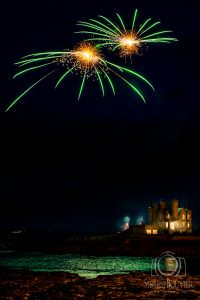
100 245
25 285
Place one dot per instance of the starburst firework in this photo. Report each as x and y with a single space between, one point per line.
86 60
117 37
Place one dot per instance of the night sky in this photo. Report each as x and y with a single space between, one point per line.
82 166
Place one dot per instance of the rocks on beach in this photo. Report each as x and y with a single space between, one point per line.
26 285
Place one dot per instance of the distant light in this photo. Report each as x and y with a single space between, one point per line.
17 231
125 226
125 223
140 220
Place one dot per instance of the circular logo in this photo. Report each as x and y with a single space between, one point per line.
167 264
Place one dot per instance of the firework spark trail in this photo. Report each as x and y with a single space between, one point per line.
82 85
63 76
27 90
86 60
118 37
134 19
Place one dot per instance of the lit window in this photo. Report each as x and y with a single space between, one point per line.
155 231
172 226
148 231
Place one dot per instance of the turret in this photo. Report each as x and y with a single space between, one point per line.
175 205
155 213
161 211
189 215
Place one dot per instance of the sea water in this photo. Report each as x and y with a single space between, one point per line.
85 266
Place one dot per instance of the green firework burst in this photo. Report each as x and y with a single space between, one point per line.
116 36
86 61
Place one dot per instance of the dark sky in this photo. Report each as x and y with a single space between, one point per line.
83 165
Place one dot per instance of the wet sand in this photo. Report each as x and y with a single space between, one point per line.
27 285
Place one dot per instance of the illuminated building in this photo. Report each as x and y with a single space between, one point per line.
164 218
169 218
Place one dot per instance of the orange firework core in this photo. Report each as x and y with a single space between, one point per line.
87 54
129 44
